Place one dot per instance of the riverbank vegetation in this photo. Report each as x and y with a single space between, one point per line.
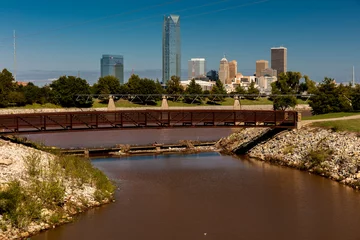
40 190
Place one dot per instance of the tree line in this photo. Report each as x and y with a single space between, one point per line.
327 95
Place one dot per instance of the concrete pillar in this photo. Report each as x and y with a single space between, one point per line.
237 105
164 103
111 104
86 153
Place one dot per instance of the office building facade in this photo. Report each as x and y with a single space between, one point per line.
260 66
171 48
268 72
232 70
196 67
224 70
112 65
279 59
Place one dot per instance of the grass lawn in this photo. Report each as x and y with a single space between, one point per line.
120 103
125 103
351 125
38 106
331 115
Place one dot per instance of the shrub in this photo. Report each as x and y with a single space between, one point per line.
33 164
51 192
18 206
316 157
289 149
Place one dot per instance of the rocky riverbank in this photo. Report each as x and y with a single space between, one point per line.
39 190
335 155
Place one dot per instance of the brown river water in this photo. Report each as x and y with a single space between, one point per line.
208 196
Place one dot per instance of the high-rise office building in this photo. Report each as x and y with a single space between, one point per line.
113 65
260 66
279 59
232 70
197 67
224 70
171 52
268 72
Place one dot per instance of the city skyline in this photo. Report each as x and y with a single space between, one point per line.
46 30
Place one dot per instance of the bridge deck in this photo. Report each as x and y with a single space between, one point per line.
144 118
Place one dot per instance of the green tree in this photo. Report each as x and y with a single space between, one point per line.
31 93
7 85
240 90
107 85
173 86
193 88
253 91
144 86
65 91
218 88
159 87
46 95
308 86
330 98
17 98
134 84
287 84
355 97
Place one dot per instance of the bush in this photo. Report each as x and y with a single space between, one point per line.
32 164
51 192
18 206
316 157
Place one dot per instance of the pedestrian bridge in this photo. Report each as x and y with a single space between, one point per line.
144 119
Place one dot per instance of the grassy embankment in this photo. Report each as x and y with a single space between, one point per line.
331 115
124 103
350 125
40 196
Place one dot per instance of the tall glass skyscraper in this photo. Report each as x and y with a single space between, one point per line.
171 52
113 65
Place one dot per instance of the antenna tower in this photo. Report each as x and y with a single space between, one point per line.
353 77
14 55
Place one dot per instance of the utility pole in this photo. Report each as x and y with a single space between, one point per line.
14 55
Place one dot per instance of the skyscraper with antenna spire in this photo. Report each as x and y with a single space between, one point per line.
171 48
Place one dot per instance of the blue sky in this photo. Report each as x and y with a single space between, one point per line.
62 37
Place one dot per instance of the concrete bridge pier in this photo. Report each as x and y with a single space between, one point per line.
237 105
164 103
111 104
